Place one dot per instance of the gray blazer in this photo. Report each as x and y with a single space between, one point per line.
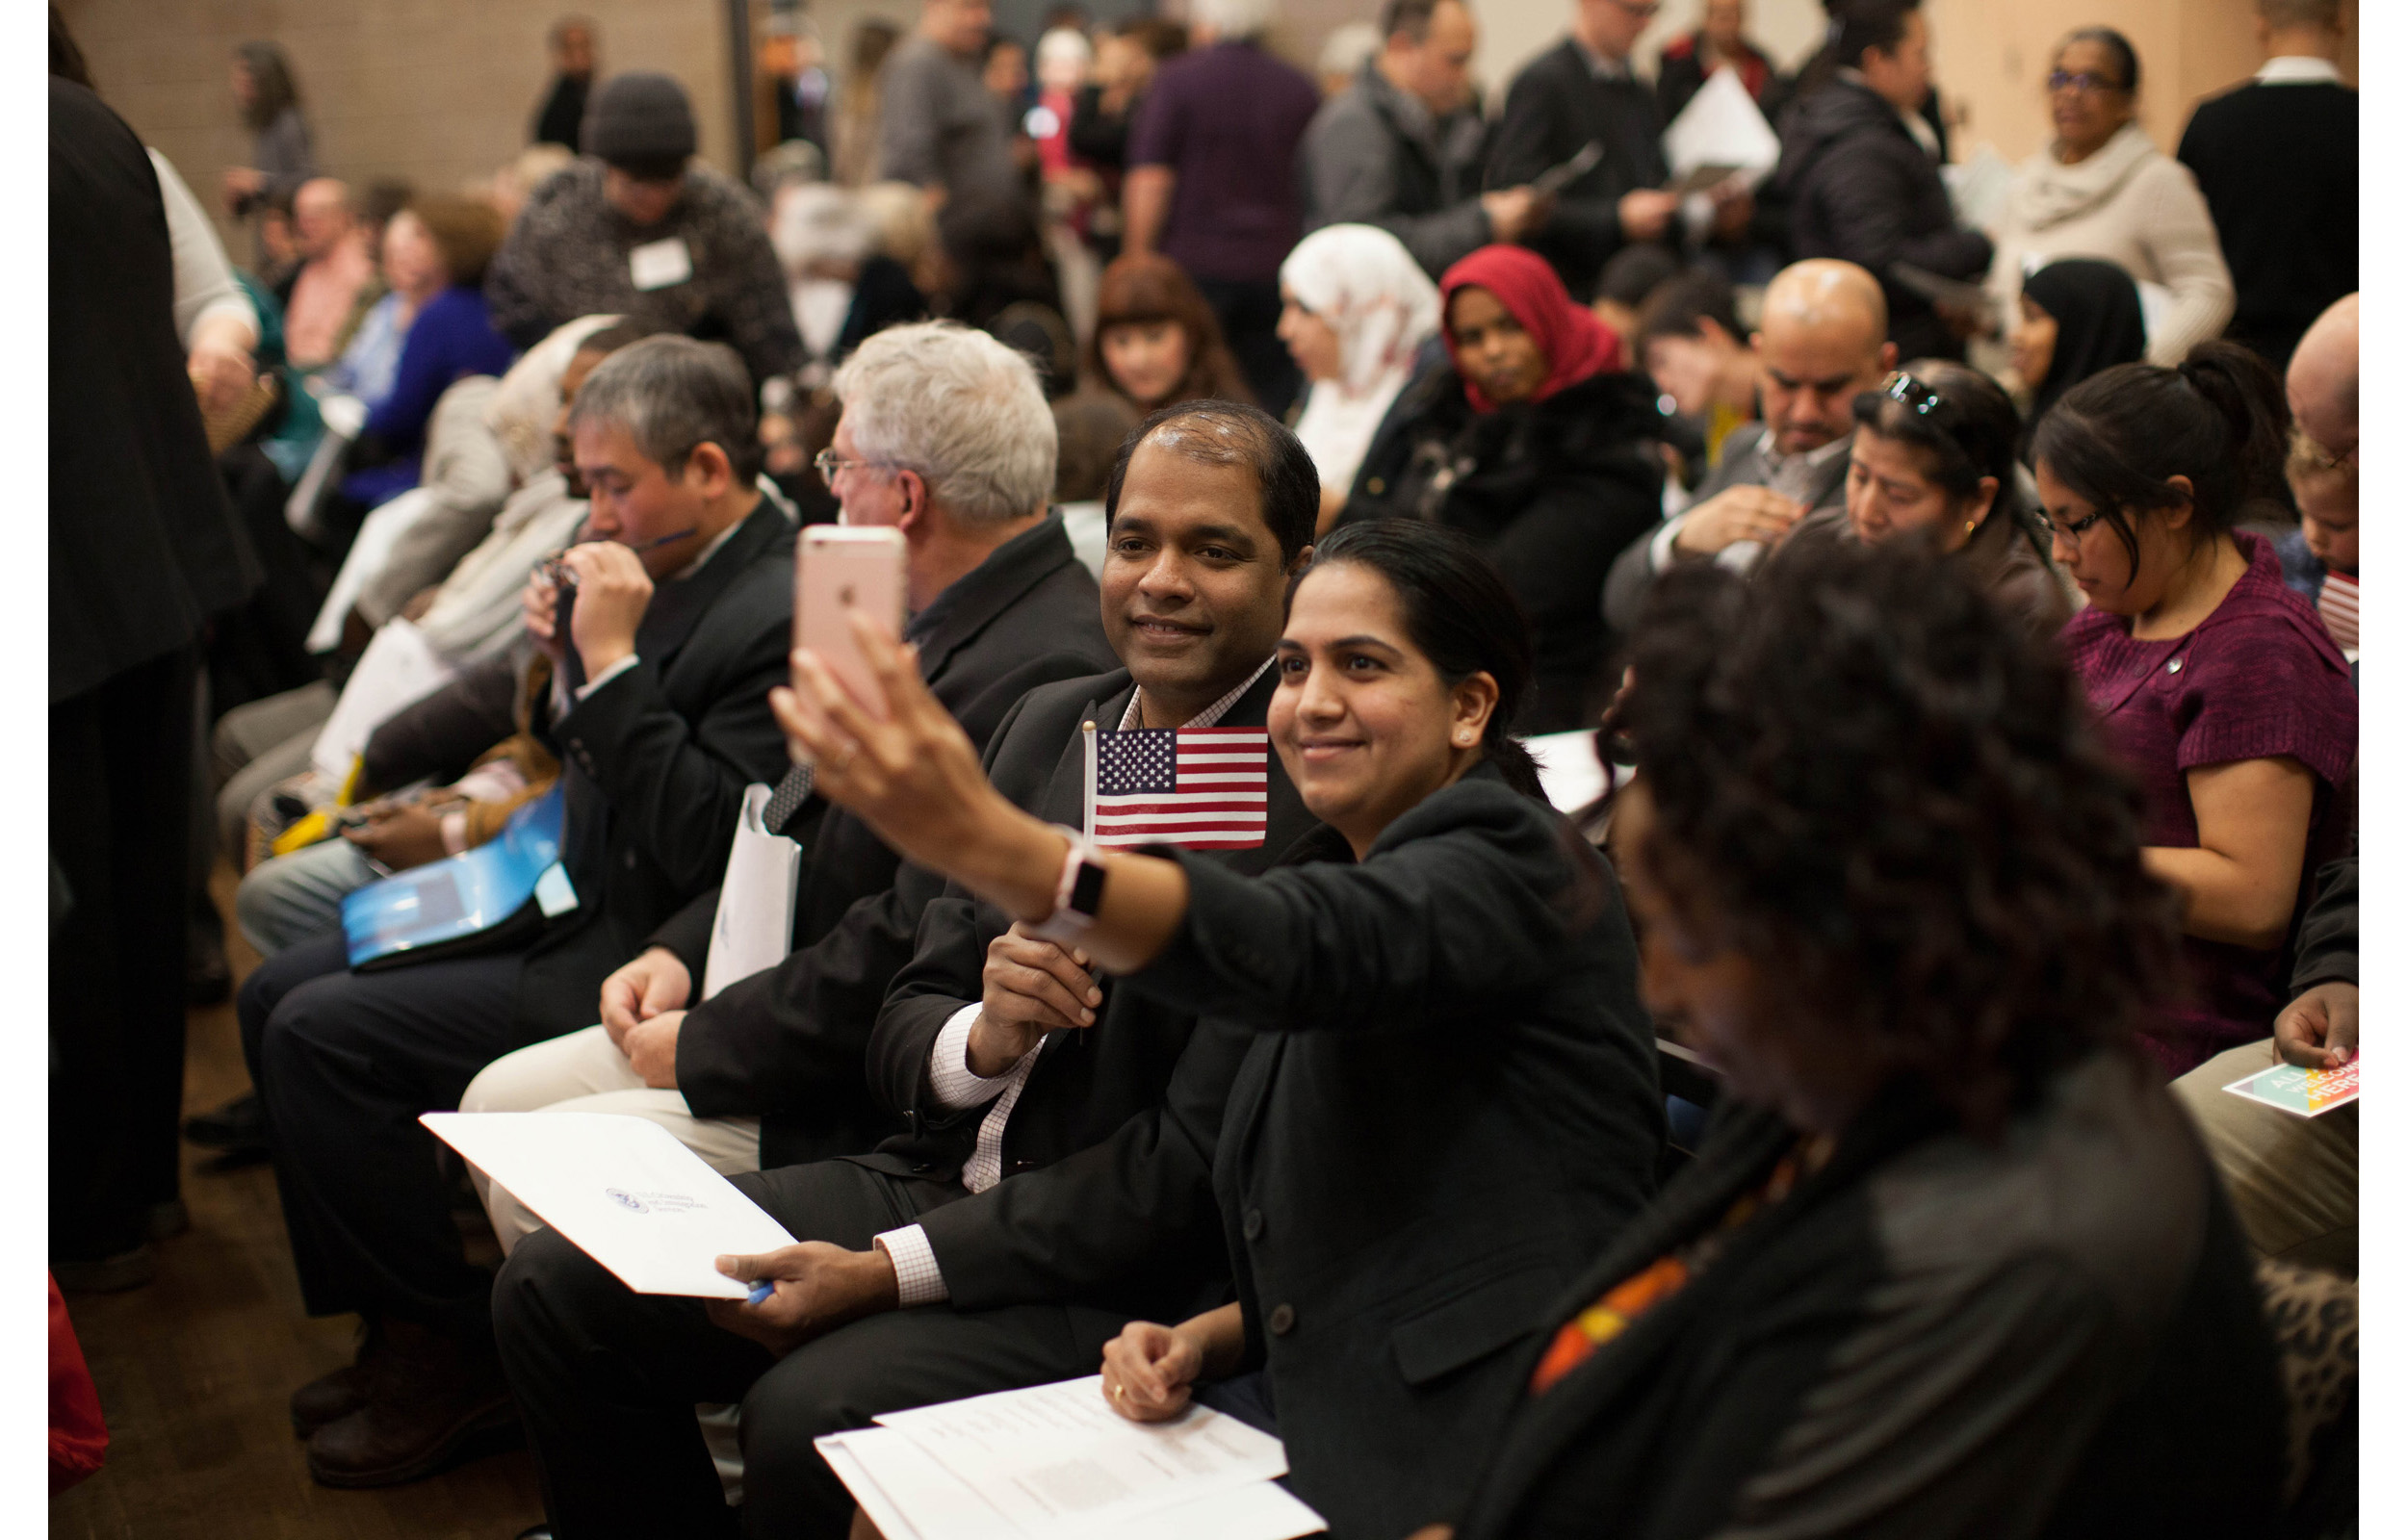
1743 465
1374 156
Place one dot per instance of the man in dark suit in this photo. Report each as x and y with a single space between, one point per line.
1047 1186
676 628
1579 93
2277 160
143 552
1820 343
946 436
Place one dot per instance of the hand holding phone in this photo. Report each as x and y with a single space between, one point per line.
840 567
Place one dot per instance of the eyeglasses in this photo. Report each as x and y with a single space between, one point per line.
2314 454
2082 81
2070 531
830 464
1637 10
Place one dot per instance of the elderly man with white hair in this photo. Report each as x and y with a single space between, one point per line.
944 436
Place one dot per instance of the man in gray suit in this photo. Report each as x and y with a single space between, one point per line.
1820 344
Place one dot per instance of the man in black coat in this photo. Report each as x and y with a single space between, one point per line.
144 551
1861 179
947 437
2276 157
659 714
1579 93
1047 1187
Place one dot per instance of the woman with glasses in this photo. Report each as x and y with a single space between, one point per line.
1949 1264
2217 684
1934 464
2103 190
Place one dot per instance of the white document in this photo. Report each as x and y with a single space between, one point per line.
624 1190
399 669
911 1495
755 925
1722 126
1054 1459
660 265
1569 770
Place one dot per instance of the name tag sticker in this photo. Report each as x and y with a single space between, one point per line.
660 265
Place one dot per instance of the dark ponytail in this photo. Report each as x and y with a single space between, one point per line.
2120 436
1462 615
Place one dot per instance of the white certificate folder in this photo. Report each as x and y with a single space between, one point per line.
623 1190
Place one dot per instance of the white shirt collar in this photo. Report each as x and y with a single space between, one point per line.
2298 69
708 551
1210 715
1816 458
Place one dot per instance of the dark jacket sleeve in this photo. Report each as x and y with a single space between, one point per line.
779 1041
442 735
1134 1211
679 787
1463 904
513 292
1868 192
2327 936
752 293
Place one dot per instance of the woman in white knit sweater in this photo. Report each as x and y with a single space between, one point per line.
2103 189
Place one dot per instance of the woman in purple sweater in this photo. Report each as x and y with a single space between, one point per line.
2217 684
435 253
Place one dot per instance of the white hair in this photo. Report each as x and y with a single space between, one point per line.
1349 48
1230 20
958 407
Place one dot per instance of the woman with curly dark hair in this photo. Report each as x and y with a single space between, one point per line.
2218 685
1952 1262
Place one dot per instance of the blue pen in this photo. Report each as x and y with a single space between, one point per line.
760 1291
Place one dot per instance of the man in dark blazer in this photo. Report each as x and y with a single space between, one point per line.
2276 157
143 552
1579 93
947 437
661 665
1047 1187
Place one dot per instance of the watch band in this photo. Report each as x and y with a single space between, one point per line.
1078 893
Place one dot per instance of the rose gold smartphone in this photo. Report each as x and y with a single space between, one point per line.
837 567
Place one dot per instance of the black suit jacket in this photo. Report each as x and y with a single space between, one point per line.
1556 105
786 1045
1106 1197
143 545
2278 166
1449 1104
655 764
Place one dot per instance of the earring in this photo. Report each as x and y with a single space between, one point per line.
1971 525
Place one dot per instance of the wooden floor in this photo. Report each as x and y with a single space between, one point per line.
193 1371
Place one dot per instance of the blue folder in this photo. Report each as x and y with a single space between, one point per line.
463 897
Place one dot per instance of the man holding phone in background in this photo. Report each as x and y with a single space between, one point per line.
658 718
1054 1180
947 438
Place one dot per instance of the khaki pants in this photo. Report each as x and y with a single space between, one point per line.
585 1072
2292 1180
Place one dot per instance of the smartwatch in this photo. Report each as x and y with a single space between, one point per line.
1079 894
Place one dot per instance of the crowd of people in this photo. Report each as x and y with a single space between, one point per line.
1961 602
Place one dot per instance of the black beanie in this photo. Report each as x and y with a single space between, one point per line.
641 122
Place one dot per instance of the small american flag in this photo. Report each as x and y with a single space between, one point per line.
1203 788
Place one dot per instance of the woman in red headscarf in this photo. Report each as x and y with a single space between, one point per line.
1531 440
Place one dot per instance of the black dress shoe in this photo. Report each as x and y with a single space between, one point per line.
239 1127
334 1395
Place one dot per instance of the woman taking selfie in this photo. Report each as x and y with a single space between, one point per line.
1538 446
1451 1099
1951 1263
1934 462
2218 685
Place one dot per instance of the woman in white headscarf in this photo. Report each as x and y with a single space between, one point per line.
1358 309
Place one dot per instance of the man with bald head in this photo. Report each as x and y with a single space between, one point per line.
324 291
2323 381
1822 341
